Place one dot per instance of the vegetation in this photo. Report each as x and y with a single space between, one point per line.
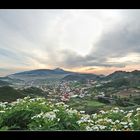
9 94
39 114
3 83
90 103
33 91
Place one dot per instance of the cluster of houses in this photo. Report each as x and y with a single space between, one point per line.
68 92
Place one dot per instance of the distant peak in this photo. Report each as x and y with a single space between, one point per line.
59 69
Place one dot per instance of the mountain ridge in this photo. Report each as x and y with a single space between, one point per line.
61 74
43 72
119 74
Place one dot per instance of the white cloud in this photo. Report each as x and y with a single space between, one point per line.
69 38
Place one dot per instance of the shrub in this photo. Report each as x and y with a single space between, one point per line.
39 114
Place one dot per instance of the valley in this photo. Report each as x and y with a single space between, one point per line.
87 92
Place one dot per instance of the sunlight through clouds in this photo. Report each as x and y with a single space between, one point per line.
72 39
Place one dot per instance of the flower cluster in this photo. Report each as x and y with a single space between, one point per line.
40 114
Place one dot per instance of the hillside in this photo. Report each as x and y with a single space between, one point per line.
9 94
40 74
122 74
33 91
81 77
3 83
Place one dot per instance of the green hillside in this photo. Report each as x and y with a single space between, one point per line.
9 94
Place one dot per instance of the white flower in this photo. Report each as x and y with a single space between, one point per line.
58 119
55 110
138 109
82 112
90 121
59 104
99 120
37 116
26 97
2 111
13 103
125 126
51 105
102 127
95 127
113 129
121 111
2 105
117 121
102 112
115 111
131 111
94 116
80 121
33 117
85 117
50 115
123 123
116 108
5 103
129 115
113 123
109 120
88 128
19 100
39 99
66 105
130 123
71 112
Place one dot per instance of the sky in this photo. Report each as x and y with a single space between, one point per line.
90 41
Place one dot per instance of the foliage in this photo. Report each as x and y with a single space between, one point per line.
39 114
9 94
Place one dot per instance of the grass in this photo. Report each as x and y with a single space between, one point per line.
78 101
89 106
94 103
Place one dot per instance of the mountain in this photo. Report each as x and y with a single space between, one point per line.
39 75
136 73
120 79
33 75
133 76
43 72
81 77
123 74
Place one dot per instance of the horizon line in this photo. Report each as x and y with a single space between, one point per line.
72 71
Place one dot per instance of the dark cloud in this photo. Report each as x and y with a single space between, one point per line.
32 31
72 59
123 39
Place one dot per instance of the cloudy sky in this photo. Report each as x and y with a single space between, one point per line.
93 41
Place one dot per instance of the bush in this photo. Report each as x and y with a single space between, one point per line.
39 114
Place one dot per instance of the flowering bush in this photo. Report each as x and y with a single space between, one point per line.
39 114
